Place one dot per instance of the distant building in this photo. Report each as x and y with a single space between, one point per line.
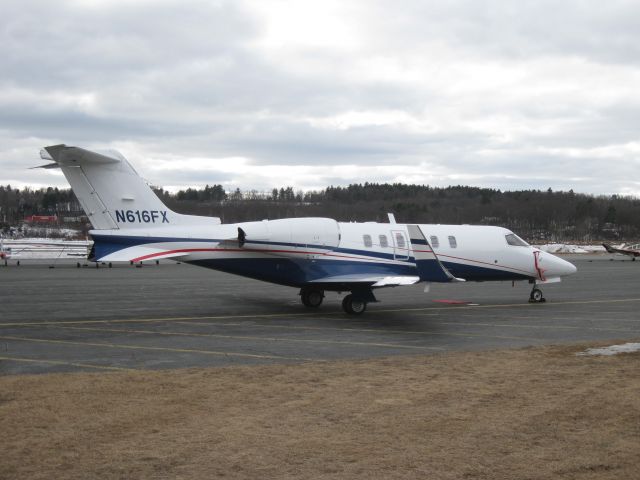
44 219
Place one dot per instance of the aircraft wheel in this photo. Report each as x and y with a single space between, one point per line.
353 307
311 297
536 296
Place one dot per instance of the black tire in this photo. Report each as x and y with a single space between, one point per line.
353 307
536 296
312 298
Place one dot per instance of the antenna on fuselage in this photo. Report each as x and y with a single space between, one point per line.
392 218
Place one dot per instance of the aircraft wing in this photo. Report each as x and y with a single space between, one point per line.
428 264
367 279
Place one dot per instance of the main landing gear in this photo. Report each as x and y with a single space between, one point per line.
311 297
353 304
536 296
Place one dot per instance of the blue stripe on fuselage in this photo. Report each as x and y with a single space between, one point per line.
481 274
108 244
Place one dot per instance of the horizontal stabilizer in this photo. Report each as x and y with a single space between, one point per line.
64 155
430 269
47 166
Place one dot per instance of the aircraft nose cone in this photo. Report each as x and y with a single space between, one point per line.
557 267
570 268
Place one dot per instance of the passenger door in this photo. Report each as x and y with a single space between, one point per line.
400 245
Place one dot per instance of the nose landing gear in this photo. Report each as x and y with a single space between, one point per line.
536 296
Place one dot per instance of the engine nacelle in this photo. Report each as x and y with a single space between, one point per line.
292 232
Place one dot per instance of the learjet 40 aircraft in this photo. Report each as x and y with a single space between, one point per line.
316 255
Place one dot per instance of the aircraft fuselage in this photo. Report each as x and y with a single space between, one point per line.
297 251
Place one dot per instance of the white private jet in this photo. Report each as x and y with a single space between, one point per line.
313 254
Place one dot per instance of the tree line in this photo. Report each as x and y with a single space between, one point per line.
536 215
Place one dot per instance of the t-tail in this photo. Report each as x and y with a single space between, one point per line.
112 193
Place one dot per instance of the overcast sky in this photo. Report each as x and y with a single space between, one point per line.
260 94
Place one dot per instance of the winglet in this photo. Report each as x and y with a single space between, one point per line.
429 267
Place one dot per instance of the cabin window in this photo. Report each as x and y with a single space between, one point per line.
400 240
453 242
516 241
367 241
384 243
435 243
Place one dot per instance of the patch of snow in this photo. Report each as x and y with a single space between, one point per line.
613 349
567 248
43 248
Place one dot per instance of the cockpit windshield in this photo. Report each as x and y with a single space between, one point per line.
516 241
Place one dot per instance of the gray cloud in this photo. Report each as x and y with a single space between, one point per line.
504 95
514 30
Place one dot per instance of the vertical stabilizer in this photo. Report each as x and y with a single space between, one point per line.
111 192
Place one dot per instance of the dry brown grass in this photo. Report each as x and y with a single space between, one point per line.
521 414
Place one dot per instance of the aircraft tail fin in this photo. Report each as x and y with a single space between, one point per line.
430 269
111 192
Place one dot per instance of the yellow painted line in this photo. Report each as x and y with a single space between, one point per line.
316 314
509 305
371 330
548 327
576 317
610 320
572 314
163 319
60 362
243 337
161 349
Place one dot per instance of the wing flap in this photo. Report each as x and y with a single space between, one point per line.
396 281
372 280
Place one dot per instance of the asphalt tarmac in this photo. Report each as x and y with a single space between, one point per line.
177 316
